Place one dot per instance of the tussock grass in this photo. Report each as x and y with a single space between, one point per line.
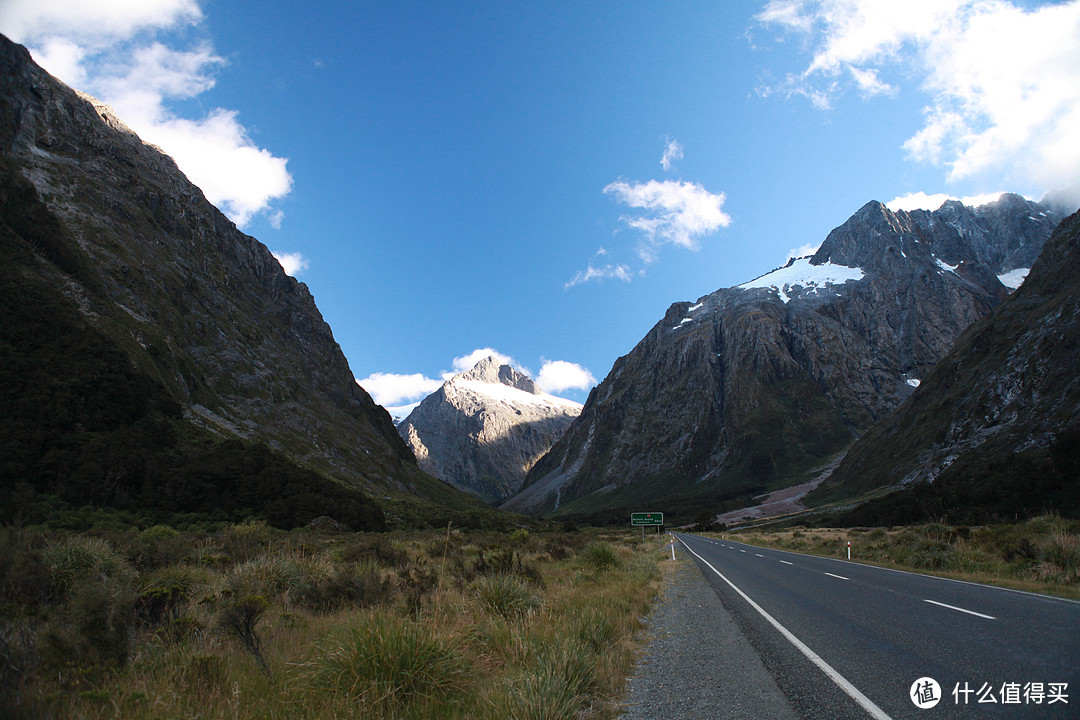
252 622
384 661
506 595
601 556
1039 555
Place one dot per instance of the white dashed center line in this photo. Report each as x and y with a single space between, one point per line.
960 609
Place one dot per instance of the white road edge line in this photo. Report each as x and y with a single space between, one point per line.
837 576
825 667
960 609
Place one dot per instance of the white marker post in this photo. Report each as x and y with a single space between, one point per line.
848 549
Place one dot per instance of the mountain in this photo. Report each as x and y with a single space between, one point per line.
484 428
193 314
750 387
994 431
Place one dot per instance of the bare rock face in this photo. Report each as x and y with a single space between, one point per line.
748 388
484 428
994 431
200 307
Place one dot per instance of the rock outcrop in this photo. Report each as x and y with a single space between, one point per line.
484 428
749 387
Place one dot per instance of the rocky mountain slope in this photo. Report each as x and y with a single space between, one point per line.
749 387
484 428
197 307
994 431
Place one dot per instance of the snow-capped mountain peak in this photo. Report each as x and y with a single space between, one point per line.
485 427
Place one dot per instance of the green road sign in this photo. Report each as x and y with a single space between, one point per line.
646 518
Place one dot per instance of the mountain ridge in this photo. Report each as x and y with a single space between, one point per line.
750 386
994 431
196 305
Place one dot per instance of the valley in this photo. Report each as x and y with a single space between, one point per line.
204 514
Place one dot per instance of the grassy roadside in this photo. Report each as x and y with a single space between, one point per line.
1040 555
251 622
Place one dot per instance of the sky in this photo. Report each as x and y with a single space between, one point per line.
540 181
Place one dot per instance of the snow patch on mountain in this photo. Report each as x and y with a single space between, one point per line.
1014 278
513 396
946 266
800 273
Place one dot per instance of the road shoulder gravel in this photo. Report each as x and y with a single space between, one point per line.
696 662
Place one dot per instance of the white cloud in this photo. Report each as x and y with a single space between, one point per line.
677 212
400 393
869 83
292 263
674 212
803 251
64 59
1003 82
559 375
673 152
391 390
622 272
468 362
108 48
923 201
95 22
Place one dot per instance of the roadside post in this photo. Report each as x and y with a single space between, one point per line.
649 519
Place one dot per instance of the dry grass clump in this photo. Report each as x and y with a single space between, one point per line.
384 662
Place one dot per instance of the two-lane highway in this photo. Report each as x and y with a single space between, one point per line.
849 640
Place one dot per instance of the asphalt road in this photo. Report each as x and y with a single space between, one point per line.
845 640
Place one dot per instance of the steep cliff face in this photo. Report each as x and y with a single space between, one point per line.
484 428
994 430
750 386
197 305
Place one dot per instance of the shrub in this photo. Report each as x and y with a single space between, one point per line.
239 617
505 561
1059 557
376 547
163 593
25 574
158 545
345 585
102 612
932 554
18 657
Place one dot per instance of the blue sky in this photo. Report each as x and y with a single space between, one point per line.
545 179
